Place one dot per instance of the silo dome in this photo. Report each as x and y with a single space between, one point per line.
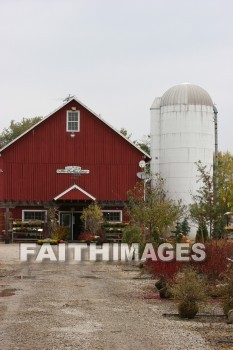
186 94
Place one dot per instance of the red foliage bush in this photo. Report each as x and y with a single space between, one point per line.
216 263
164 269
214 266
86 236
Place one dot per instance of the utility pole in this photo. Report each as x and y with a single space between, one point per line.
216 153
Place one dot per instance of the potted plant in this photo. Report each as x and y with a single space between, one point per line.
190 289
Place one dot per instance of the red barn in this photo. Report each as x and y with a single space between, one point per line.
35 169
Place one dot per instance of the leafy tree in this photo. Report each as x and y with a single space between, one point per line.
92 218
16 129
203 211
210 204
155 212
185 228
178 232
133 234
124 132
52 219
181 229
225 188
219 227
202 233
144 144
224 193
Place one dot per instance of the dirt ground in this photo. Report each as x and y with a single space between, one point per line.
85 306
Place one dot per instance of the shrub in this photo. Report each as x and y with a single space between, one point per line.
227 292
189 288
60 233
133 234
213 267
216 263
164 269
86 236
92 218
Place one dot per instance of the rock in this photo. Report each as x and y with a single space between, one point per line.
230 316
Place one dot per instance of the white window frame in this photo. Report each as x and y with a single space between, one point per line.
114 211
67 121
30 210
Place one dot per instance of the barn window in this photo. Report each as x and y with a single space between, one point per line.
31 215
112 215
73 121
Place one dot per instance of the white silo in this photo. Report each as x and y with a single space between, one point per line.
182 133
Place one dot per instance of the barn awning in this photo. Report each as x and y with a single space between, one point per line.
74 193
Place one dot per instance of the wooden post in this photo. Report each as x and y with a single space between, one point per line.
6 221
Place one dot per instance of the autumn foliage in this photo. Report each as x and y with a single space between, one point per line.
214 266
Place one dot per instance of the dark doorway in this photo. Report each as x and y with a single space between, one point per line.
77 225
66 221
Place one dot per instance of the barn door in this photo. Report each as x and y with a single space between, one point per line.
66 221
77 225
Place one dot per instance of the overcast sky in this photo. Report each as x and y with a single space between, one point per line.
115 56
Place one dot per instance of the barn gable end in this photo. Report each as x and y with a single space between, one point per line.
29 164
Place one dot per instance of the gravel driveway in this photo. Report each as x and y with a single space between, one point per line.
83 306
